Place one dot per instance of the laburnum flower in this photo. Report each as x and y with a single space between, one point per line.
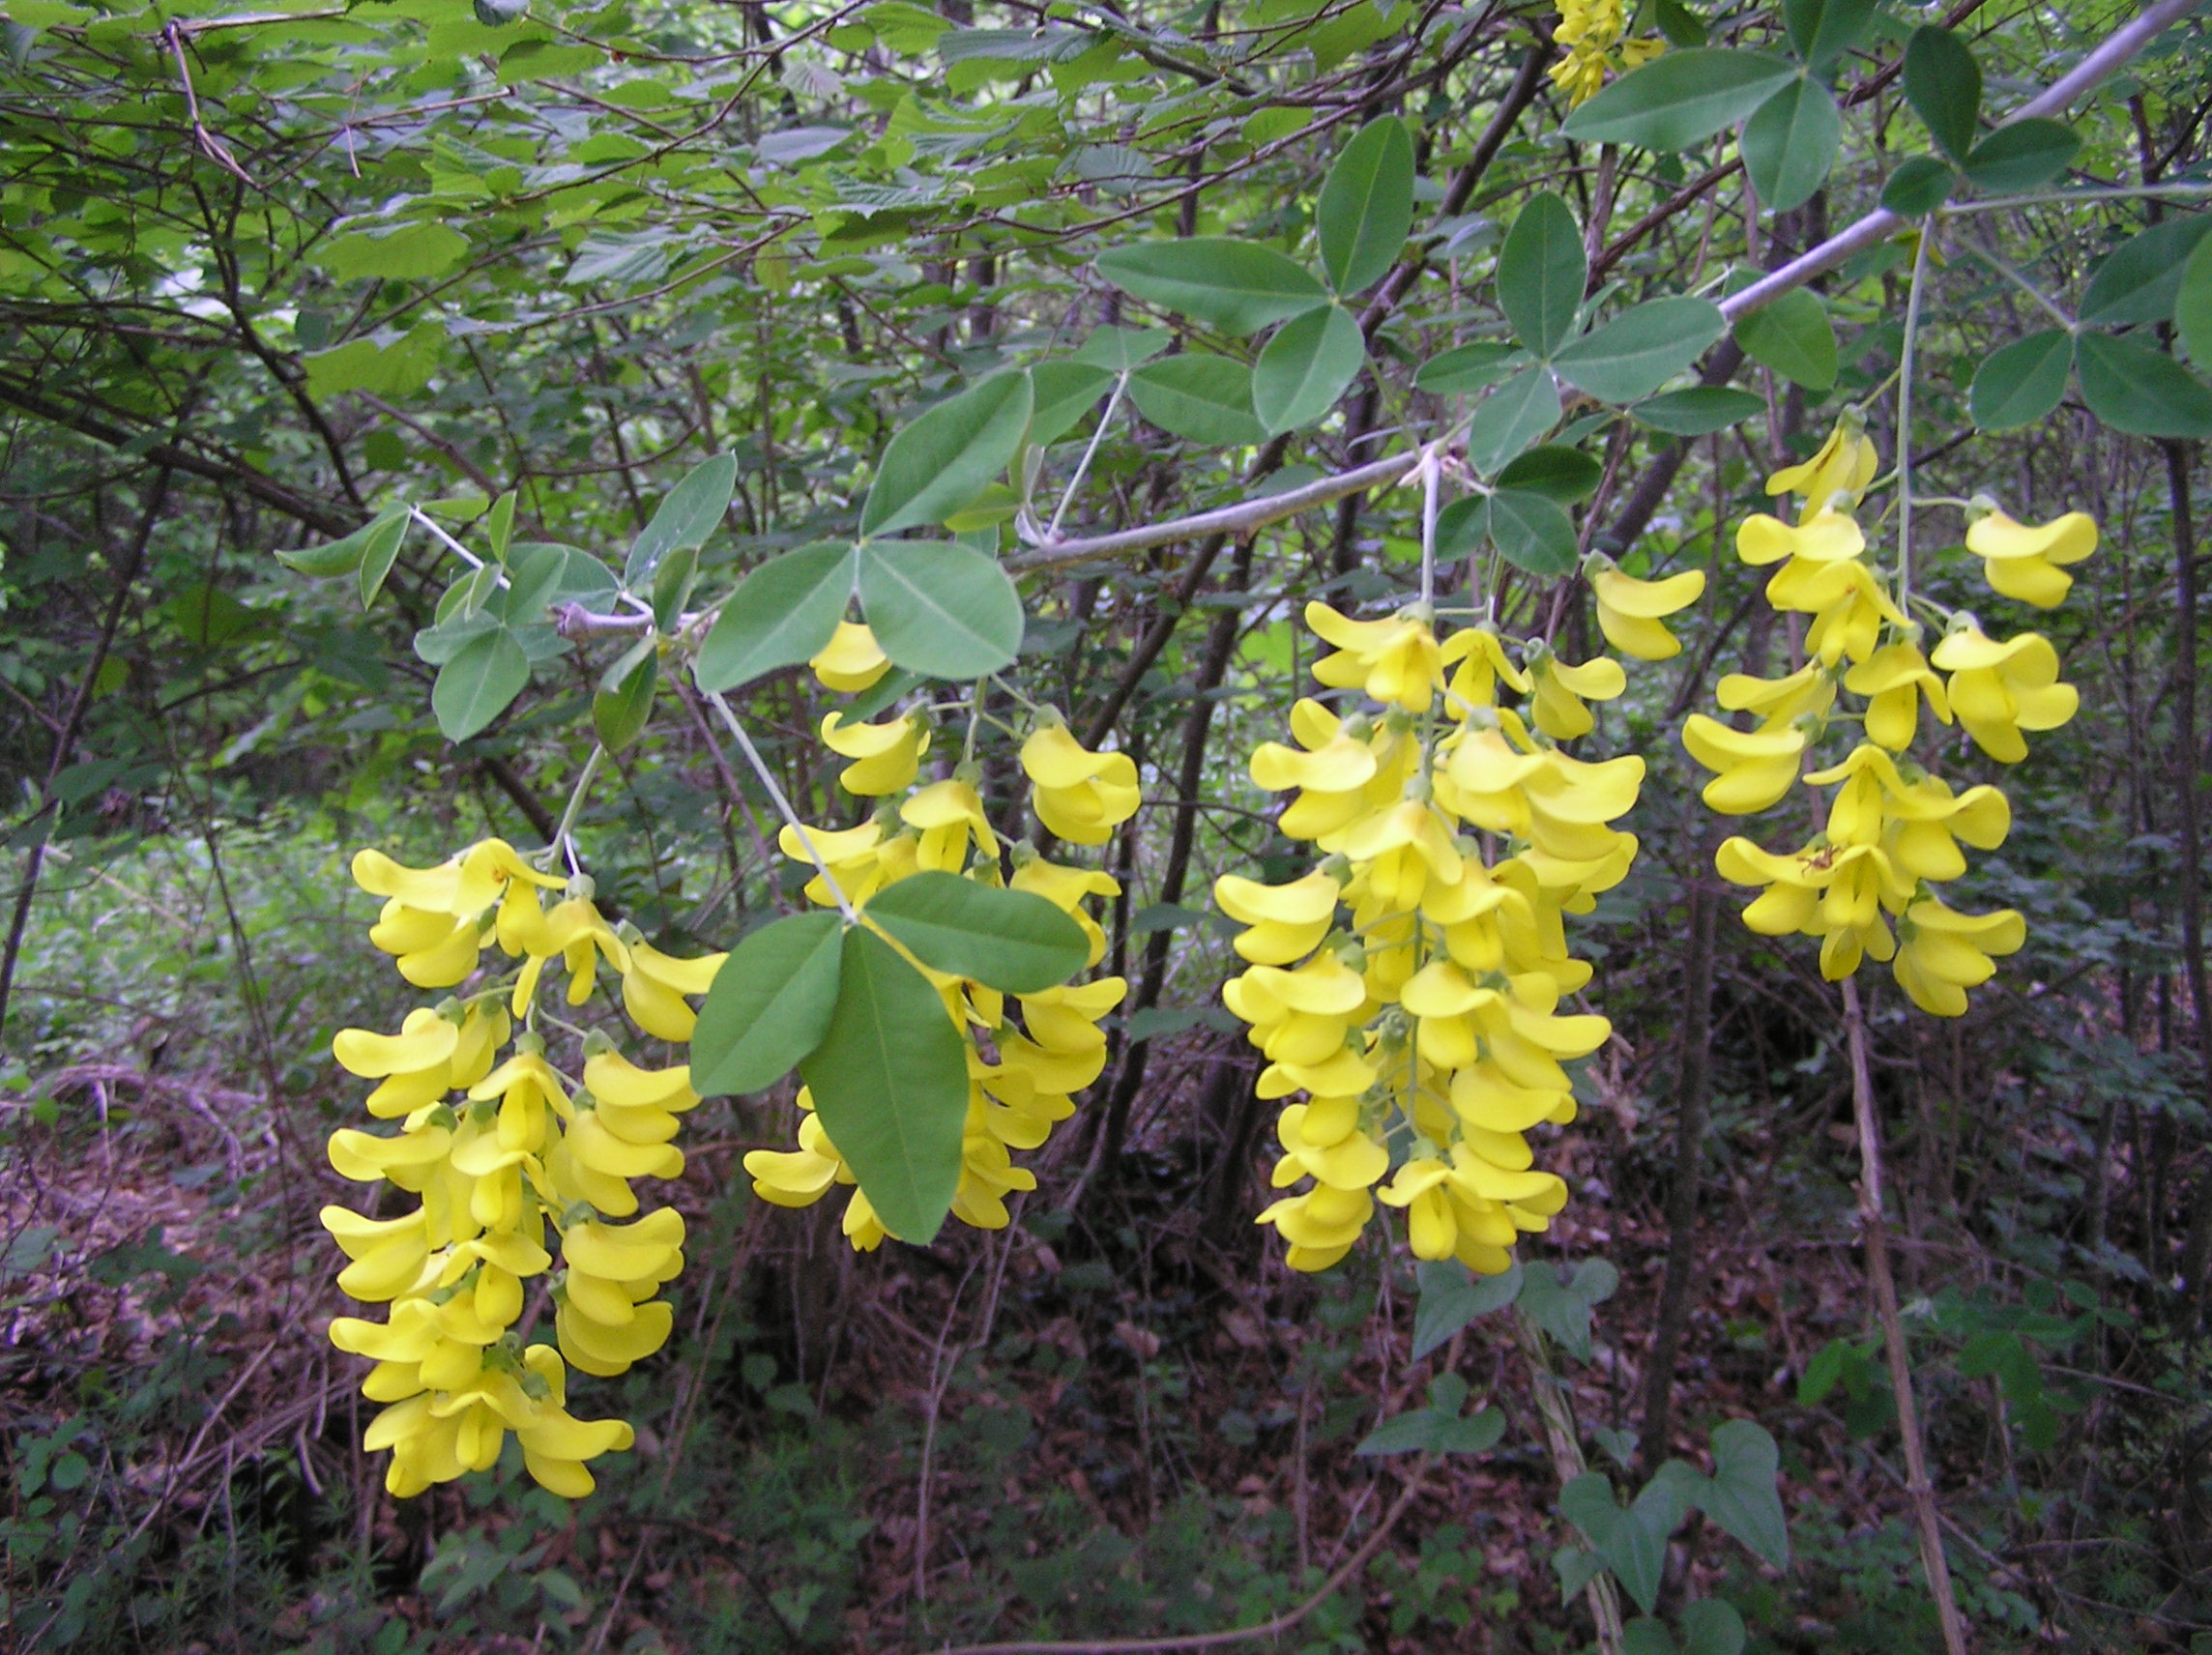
607 1317
437 1435
1755 767
885 756
1822 538
1847 604
1480 662
2024 561
1284 922
1563 691
1465 1207
1066 889
1941 953
429 1057
1590 30
1631 613
852 660
1842 466
862 860
1395 661
948 814
1079 794
433 920
1320 1225
655 985
1896 679
1999 689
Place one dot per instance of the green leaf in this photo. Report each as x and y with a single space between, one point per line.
1305 368
1641 349
1792 336
1013 940
1741 1496
498 525
691 512
478 683
1680 100
1621 1537
890 1079
1468 368
1822 31
1117 349
784 612
939 609
1065 392
1510 418
1541 273
1561 1304
618 710
1434 1430
1698 411
1532 533
769 1006
2142 391
389 366
1681 26
1197 394
1452 1295
2025 155
1944 84
348 554
1790 142
946 455
411 252
1919 186
543 574
1647 1635
1366 206
1711 1626
2192 305
2022 382
1560 473
2141 280
1238 286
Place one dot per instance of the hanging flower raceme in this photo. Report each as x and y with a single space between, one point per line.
517 1167
1591 32
1866 884
1027 1055
1406 992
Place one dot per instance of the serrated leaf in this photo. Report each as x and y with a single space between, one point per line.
2142 391
1238 286
1790 144
1468 368
1944 84
2022 382
947 455
1307 367
1542 270
1698 411
1366 206
479 682
2139 280
769 1006
1012 941
2025 155
784 612
941 610
690 511
1510 418
889 1081
1679 99
1794 337
1204 398
1641 349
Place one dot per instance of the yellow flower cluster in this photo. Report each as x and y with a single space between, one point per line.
1407 991
497 1151
1590 30
1865 886
1022 1075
